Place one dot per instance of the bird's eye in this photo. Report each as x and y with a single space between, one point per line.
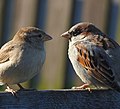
40 35
76 32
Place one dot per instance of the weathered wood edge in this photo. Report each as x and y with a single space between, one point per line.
57 90
61 99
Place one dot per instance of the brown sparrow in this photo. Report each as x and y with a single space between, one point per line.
95 57
22 57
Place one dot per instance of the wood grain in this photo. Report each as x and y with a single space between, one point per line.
61 99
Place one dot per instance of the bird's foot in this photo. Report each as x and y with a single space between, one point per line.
8 89
84 86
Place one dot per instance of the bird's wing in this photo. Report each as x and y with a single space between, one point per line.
4 52
95 62
3 57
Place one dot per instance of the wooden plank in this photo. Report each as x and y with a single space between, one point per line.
58 18
113 18
61 99
96 11
24 13
6 20
41 14
2 6
118 25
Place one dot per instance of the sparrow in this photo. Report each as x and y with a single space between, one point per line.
95 57
22 57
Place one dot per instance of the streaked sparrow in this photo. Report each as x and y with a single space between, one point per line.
95 57
22 57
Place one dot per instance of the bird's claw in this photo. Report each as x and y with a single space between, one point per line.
8 89
84 86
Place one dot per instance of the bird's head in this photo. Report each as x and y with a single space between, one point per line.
80 31
31 35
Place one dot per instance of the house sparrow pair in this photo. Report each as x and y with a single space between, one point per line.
94 56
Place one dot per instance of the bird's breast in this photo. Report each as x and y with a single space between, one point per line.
26 66
73 55
32 61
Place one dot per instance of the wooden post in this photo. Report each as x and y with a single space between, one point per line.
61 99
1 18
57 21
118 24
96 12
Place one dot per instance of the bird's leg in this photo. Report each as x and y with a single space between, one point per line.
8 89
21 87
24 89
84 86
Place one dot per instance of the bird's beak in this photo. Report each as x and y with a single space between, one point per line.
66 35
47 37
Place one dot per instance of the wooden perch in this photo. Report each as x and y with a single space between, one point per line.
61 99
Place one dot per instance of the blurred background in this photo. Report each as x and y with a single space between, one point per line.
55 17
